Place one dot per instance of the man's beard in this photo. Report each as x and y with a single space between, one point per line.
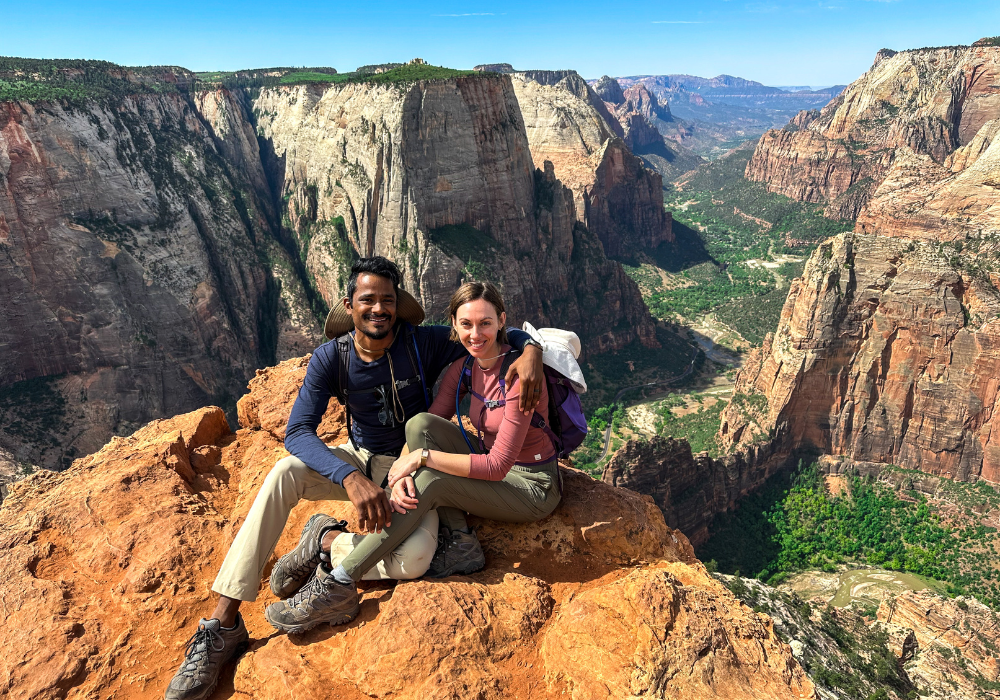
378 335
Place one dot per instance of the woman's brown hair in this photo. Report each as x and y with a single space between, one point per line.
471 291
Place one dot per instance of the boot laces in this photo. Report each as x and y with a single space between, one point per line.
198 647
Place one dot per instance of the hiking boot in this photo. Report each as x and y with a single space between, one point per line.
458 553
292 571
323 599
208 650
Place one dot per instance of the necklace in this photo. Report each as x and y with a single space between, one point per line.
396 404
487 359
362 349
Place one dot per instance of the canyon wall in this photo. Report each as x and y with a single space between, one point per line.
439 176
135 268
106 568
690 489
927 102
887 347
887 351
616 196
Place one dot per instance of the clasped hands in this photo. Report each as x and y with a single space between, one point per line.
404 491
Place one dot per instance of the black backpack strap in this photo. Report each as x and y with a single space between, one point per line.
341 391
418 367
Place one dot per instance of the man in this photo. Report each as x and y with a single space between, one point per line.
384 376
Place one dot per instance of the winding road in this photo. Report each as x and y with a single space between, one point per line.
621 392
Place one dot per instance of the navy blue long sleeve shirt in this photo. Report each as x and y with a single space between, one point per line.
375 424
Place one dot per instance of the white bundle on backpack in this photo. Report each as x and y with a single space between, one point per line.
560 350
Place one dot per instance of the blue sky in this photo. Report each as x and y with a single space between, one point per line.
778 42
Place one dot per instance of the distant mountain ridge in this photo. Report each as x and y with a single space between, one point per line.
729 89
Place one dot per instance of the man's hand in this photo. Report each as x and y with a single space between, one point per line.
528 367
369 501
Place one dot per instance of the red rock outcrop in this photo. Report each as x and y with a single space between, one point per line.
106 567
690 489
927 101
638 100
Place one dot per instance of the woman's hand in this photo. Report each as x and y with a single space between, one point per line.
404 466
404 495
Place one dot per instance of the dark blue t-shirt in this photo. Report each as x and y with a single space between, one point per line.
374 422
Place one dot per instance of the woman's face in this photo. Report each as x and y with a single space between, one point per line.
477 326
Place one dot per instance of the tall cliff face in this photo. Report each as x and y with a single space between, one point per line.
616 197
887 351
439 176
928 101
887 346
690 489
158 248
106 568
134 265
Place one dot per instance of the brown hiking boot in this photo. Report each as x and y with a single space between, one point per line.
322 599
292 571
458 553
208 650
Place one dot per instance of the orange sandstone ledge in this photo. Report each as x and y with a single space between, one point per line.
106 568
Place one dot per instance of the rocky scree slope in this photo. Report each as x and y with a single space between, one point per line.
914 642
157 248
106 568
922 103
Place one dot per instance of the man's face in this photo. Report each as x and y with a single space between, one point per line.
373 307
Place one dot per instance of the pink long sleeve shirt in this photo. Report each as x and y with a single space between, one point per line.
507 433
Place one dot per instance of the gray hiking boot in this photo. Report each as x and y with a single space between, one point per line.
457 553
321 600
208 650
292 571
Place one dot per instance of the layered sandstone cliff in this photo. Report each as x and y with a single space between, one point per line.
928 102
887 351
690 489
439 176
106 569
616 196
135 268
952 652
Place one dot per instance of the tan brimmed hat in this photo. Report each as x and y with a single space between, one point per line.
339 321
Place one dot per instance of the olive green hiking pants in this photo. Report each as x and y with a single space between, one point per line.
526 494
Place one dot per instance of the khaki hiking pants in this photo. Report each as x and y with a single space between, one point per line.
290 481
526 494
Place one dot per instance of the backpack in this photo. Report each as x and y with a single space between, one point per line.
567 425
344 343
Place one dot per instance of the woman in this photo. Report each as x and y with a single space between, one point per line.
514 477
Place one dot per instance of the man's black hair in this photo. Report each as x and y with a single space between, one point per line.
375 265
